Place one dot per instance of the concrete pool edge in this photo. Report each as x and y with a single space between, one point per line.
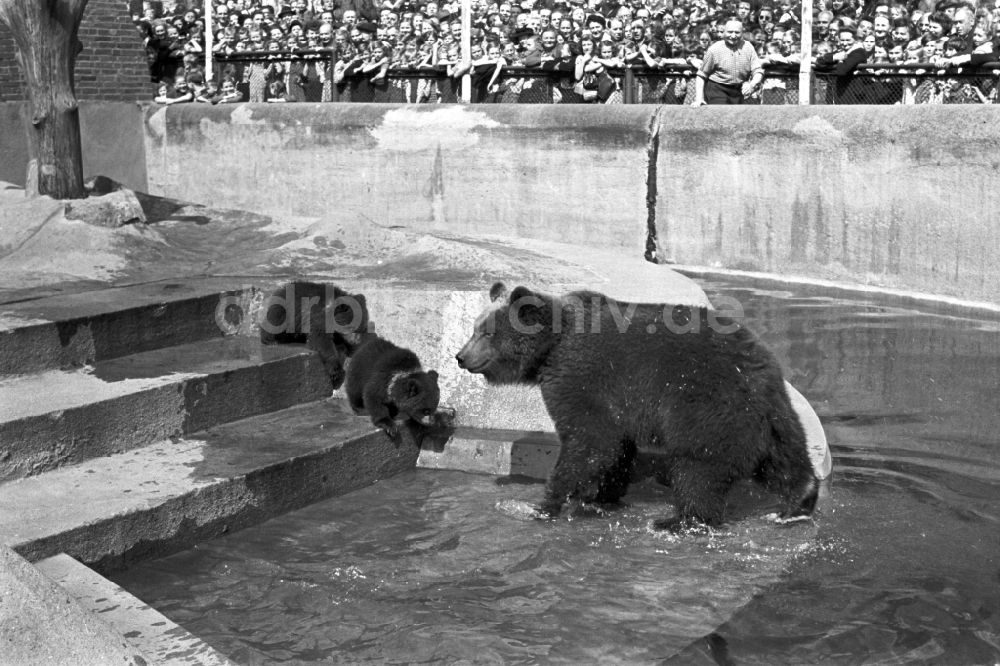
43 623
158 638
930 303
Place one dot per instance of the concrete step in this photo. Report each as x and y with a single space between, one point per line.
58 417
159 639
113 510
71 330
43 624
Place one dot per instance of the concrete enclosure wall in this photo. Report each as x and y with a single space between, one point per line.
898 197
516 170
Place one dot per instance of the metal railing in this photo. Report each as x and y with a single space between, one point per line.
882 83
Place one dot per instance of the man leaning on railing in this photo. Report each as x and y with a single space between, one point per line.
730 71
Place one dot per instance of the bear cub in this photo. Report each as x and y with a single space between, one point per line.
631 382
388 383
331 321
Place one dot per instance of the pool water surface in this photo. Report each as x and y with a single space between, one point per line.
900 564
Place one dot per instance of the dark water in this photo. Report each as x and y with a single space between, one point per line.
901 565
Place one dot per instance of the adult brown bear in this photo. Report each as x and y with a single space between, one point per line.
695 390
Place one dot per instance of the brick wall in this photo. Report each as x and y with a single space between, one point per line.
111 67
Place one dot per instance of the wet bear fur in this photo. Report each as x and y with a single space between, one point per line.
707 401
328 319
388 383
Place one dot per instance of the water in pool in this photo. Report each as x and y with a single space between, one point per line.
901 565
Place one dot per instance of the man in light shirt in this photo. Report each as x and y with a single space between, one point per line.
730 71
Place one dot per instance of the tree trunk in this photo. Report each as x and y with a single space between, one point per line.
45 32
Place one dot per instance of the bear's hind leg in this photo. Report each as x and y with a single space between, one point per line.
795 483
700 489
802 503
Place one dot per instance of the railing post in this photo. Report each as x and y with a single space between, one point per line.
628 83
466 49
209 44
805 65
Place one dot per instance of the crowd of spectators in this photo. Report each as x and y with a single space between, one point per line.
586 41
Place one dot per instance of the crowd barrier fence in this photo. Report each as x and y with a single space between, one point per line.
883 83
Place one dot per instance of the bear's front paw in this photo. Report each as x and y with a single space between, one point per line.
677 525
789 517
389 428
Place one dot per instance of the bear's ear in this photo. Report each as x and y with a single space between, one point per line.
498 291
528 306
521 292
433 375
360 298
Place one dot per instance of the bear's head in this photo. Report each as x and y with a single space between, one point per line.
416 395
512 337
300 310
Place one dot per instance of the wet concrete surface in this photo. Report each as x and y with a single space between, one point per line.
160 640
168 495
42 623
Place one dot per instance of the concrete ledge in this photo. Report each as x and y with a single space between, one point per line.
496 452
159 638
56 418
42 624
857 194
923 301
45 332
158 499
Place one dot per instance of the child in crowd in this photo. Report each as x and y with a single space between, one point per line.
207 94
228 94
276 92
164 91
256 72
179 93
377 64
